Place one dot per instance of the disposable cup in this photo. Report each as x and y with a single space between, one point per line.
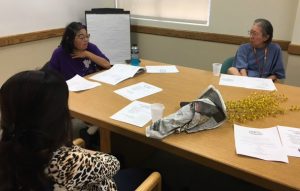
157 111
216 68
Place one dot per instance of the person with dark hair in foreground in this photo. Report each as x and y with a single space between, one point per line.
260 57
36 144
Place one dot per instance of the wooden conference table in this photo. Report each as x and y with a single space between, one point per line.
213 148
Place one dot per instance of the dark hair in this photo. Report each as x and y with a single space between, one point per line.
69 35
267 28
35 121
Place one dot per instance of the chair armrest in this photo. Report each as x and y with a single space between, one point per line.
79 142
152 182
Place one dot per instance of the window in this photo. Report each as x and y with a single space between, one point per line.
194 12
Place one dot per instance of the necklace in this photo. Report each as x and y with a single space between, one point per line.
261 66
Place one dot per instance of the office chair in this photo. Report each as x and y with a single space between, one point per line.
227 64
151 183
79 142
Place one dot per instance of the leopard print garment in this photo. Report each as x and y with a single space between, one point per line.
74 168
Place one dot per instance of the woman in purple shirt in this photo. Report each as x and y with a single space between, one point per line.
76 55
260 57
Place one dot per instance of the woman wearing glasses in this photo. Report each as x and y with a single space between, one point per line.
76 55
260 57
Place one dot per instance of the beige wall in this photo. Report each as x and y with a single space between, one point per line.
296 31
293 60
190 53
18 17
25 56
197 54
292 71
234 17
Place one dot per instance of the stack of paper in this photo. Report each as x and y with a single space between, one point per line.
137 91
117 73
274 144
136 113
161 69
247 82
78 83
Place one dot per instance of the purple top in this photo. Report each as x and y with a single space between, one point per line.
261 62
69 67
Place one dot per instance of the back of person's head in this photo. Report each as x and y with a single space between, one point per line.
69 35
267 28
35 121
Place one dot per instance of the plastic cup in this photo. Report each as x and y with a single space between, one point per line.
157 110
216 68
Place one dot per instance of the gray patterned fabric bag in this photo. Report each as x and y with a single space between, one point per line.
207 112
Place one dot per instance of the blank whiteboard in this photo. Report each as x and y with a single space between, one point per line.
111 33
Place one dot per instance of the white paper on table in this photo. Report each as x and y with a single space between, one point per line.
78 83
259 143
137 91
136 113
117 73
119 62
161 69
247 82
290 138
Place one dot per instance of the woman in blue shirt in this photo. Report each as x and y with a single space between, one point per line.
260 57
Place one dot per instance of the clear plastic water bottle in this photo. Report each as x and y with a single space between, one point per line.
135 60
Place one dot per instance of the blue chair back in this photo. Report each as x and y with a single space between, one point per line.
227 64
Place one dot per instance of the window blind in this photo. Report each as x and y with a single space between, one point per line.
182 11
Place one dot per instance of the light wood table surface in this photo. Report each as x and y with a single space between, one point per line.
213 148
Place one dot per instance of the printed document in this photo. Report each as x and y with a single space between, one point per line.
290 138
136 113
161 69
78 83
137 91
274 144
247 82
259 143
117 73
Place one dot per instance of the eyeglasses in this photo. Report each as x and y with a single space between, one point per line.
83 37
253 33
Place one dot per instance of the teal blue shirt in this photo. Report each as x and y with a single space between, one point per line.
261 62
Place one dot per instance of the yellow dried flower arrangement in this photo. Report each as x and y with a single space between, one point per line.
257 105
